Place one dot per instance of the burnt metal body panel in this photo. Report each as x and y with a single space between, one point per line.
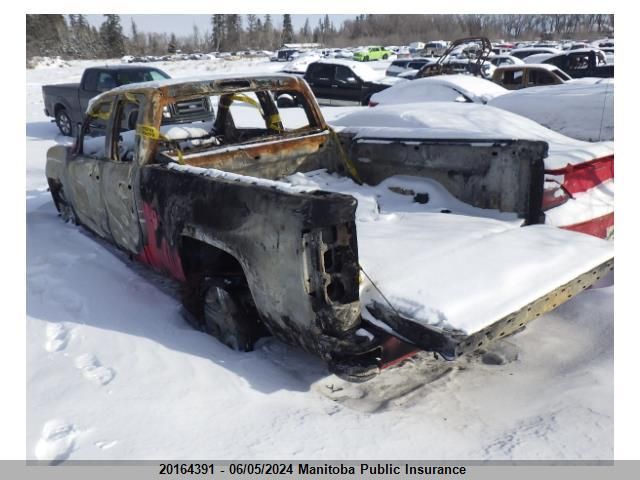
277 236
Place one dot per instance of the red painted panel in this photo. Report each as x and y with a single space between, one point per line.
395 350
159 254
584 176
598 227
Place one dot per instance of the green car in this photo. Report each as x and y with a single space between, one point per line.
371 53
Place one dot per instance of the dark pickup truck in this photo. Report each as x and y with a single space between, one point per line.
583 62
343 82
68 102
216 206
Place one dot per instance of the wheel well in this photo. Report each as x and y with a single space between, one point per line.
55 185
200 258
58 107
200 261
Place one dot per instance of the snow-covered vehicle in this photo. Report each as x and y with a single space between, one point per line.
407 65
457 88
300 64
524 52
265 220
505 59
578 191
580 108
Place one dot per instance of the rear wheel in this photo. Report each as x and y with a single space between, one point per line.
385 56
63 121
227 317
366 59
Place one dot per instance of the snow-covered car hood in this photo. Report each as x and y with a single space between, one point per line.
449 120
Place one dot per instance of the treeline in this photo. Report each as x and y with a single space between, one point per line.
403 29
52 35
73 37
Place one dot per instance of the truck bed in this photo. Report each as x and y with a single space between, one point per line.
451 267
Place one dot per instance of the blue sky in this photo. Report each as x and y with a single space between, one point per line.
183 24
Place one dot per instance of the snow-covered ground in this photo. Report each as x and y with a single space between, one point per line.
114 372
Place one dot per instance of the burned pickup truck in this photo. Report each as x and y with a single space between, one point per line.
274 224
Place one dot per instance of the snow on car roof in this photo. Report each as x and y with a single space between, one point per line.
543 66
538 58
577 50
475 88
585 50
529 49
450 120
365 72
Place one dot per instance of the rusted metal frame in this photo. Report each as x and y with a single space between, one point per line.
316 122
439 68
275 158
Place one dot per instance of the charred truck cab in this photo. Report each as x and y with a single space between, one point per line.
205 204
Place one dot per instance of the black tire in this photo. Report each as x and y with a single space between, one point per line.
286 101
227 319
366 59
385 56
67 213
64 123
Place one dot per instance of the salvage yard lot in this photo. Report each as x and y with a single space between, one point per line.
114 372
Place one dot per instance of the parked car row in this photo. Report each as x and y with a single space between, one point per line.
179 56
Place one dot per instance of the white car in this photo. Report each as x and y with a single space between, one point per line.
451 88
505 59
580 108
579 187
299 64
524 52
537 58
407 65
